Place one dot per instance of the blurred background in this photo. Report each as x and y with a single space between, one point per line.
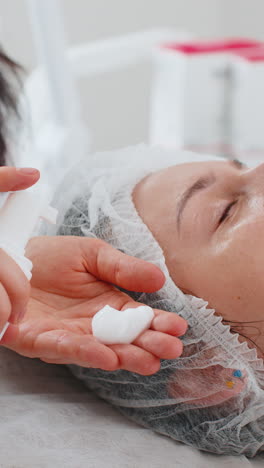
115 106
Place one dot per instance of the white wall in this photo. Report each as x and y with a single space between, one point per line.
116 106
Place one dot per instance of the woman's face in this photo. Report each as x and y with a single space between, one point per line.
208 217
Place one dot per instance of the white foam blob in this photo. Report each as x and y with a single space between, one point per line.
111 326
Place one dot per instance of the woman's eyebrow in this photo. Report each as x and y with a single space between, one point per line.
237 164
200 184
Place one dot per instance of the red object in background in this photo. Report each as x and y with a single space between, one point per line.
207 47
255 54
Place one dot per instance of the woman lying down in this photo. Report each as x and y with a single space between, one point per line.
202 223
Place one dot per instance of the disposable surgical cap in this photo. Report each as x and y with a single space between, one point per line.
212 397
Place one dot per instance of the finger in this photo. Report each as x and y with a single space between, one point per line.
56 361
169 322
112 266
159 344
65 346
166 322
16 285
5 307
10 336
134 359
12 178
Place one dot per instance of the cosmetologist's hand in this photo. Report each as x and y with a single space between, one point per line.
14 287
71 282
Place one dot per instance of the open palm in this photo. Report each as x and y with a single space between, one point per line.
67 292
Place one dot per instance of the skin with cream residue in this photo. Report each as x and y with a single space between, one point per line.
214 246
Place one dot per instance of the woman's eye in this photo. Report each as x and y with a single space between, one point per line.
226 212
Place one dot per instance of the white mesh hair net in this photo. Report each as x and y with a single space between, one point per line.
212 397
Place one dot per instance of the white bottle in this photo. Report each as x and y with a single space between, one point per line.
18 219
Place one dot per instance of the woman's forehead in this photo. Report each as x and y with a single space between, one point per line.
185 172
172 181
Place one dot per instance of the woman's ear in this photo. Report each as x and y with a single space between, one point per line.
207 387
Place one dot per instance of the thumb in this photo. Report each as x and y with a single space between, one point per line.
111 265
12 178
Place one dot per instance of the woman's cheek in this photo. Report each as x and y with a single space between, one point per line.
237 269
